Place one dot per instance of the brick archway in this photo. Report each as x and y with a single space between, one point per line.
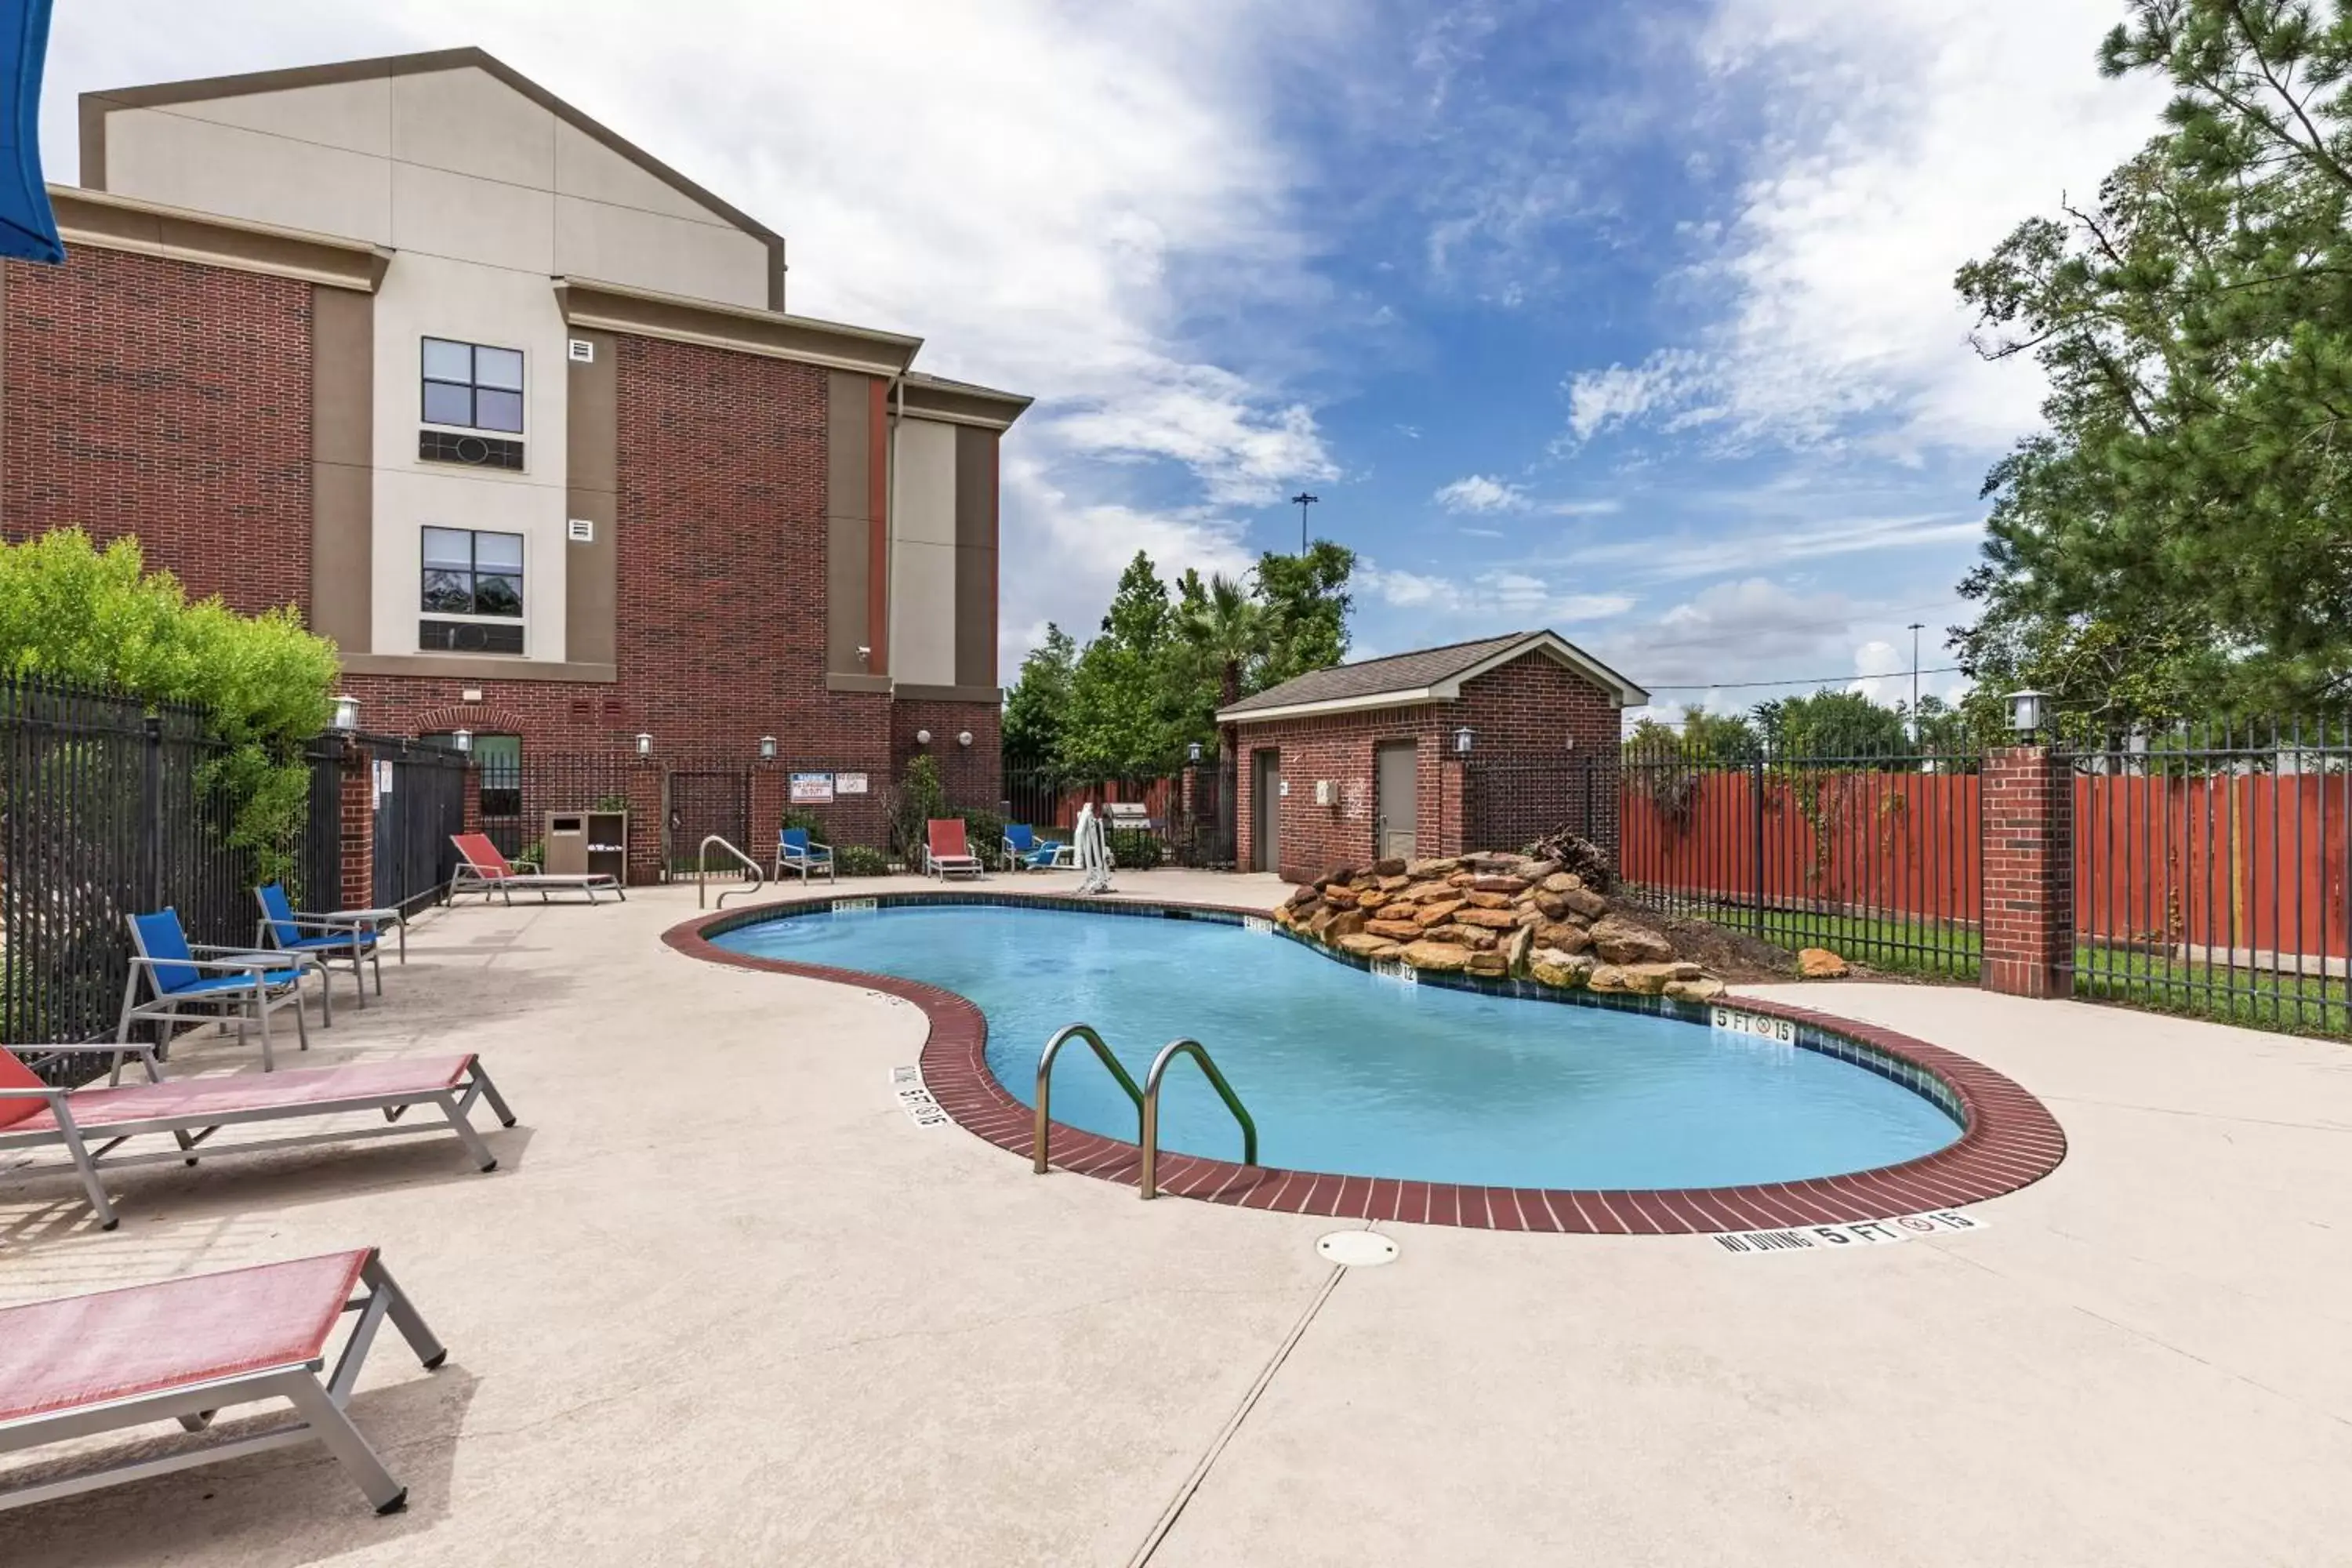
479 718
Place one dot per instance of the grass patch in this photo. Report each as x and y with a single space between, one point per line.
2159 981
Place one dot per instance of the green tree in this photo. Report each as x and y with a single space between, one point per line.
1040 697
1831 725
70 611
1123 718
1307 605
1223 630
2179 535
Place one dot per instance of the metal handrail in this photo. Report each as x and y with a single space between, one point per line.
1045 1121
702 869
1150 1179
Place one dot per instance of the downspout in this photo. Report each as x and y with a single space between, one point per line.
890 527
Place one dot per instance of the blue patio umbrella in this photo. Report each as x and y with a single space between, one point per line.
28 230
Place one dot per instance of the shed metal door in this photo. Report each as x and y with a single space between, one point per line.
1394 801
1265 810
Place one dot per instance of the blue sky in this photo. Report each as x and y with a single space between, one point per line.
1633 320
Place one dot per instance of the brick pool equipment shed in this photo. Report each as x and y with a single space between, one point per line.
1383 759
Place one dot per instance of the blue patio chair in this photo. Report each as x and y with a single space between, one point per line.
1024 851
198 983
351 938
794 852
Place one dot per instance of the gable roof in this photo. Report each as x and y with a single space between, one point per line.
97 105
1425 675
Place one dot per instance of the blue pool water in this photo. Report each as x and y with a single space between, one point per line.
1350 1073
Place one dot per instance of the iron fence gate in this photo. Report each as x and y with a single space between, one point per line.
1873 855
2213 872
420 803
701 802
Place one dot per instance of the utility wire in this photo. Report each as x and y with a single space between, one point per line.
1804 680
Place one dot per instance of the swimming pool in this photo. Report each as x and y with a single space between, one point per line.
1352 1074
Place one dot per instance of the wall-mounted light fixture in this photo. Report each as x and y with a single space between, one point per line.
865 654
1462 741
1192 751
767 748
463 740
963 737
347 715
2025 714
644 745
922 737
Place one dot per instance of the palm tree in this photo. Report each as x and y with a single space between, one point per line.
1225 627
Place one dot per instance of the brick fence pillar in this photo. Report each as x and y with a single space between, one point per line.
355 826
648 831
768 806
2028 870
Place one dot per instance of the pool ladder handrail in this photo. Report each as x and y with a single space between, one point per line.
702 871
1148 1181
1044 1121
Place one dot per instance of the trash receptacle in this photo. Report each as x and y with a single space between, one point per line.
567 843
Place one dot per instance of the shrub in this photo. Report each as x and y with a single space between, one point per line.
912 804
806 820
70 611
859 860
1136 848
984 831
533 855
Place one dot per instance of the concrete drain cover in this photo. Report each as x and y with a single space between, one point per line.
1357 1248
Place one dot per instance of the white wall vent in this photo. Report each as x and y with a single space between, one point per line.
581 352
581 530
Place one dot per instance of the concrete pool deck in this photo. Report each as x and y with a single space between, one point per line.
724 1302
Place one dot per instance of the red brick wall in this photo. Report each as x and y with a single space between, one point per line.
2028 848
168 400
1531 705
974 775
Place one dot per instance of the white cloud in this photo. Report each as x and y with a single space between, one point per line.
1891 155
1479 493
1668 560
1029 186
1496 601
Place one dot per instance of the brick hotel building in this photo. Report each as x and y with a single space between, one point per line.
514 412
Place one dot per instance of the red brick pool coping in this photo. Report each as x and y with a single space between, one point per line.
2009 1139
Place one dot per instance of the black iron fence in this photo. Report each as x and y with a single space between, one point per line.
1511 799
420 804
518 791
1871 852
107 809
2213 872
1186 817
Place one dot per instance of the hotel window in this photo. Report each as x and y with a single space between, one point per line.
477 575
473 386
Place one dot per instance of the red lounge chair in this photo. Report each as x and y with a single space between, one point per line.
945 852
90 1123
482 870
186 1348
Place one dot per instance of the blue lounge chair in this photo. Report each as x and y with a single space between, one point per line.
1024 851
332 940
794 852
194 983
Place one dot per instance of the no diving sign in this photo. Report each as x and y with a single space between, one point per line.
1862 1233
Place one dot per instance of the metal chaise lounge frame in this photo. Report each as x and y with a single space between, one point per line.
119 1358
482 868
946 852
90 1123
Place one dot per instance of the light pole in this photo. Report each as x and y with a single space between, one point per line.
1302 501
1915 682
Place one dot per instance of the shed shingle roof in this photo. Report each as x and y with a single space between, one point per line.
1411 675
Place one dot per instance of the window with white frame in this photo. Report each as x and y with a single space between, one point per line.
472 385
